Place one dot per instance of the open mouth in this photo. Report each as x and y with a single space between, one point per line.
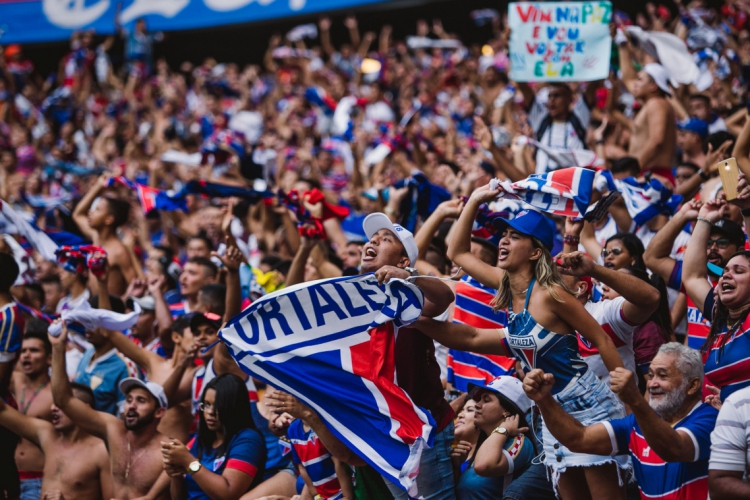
502 254
609 265
714 258
370 253
727 287
55 419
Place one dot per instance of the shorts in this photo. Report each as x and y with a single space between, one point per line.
31 487
588 400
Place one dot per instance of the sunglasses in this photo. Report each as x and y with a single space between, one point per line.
614 251
722 243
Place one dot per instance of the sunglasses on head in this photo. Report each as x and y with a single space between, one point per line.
614 251
722 243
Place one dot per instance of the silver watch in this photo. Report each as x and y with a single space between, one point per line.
411 271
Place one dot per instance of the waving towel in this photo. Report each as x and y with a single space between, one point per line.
92 318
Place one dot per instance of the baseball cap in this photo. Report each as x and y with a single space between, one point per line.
731 230
147 302
695 125
208 318
157 391
508 387
659 75
530 223
377 221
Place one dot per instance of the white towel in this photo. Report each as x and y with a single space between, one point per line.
92 318
672 52
35 236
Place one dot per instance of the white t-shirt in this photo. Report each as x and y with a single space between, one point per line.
561 135
68 302
730 440
608 313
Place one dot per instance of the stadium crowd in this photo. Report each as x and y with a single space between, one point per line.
603 357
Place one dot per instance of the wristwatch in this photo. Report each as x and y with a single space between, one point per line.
501 430
194 467
411 271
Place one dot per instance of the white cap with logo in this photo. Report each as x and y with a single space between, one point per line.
509 387
377 221
157 391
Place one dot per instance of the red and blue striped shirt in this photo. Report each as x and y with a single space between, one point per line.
662 480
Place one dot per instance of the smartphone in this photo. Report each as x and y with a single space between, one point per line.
729 173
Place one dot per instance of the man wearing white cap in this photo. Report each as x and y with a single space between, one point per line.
390 253
133 442
655 134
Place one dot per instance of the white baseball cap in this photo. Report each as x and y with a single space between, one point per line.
659 75
157 391
377 221
509 387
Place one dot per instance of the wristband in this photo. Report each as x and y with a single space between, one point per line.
703 174
599 142
569 239
745 212
703 219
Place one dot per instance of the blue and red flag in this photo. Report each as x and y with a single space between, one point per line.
331 344
565 192
473 308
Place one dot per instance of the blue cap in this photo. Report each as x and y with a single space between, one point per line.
530 223
695 125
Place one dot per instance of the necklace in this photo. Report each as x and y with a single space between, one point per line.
130 456
23 405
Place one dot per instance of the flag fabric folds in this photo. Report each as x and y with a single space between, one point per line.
156 199
565 192
473 308
37 238
644 200
331 344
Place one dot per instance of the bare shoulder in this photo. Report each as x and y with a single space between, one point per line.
556 296
658 104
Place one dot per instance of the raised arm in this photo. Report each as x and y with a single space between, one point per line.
280 401
593 439
574 314
81 211
657 255
143 358
629 74
695 262
94 422
423 238
741 149
174 389
641 298
491 459
670 444
483 135
32 429
459 248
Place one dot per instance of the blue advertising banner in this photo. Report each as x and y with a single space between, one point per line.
26 21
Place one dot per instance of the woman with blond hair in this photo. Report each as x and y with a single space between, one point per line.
543 317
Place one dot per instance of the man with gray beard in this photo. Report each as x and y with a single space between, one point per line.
668 437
